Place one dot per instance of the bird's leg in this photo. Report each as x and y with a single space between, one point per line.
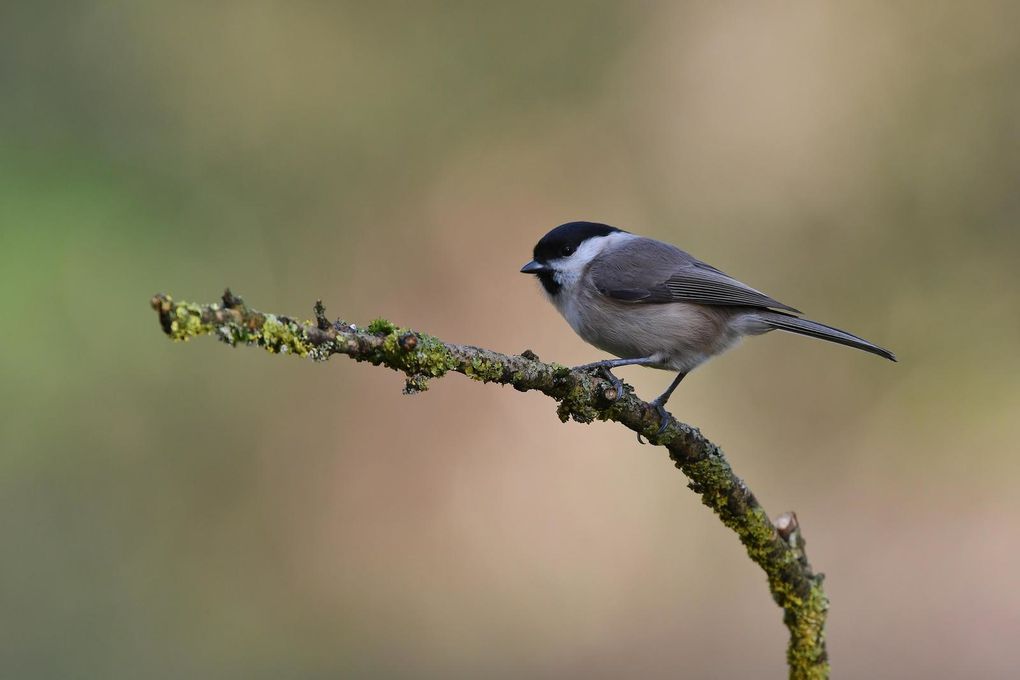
606 366
660 402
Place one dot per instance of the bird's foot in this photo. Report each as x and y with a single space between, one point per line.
603 368
664 418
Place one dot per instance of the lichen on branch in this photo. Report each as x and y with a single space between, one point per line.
777 548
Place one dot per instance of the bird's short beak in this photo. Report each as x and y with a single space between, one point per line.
533 268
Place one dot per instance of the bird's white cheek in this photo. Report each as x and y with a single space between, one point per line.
564 279
567 273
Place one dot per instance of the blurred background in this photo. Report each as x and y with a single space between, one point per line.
195 511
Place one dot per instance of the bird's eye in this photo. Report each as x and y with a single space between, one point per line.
567 251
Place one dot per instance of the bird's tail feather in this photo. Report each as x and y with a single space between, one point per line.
813 329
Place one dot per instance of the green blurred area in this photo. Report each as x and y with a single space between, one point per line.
191 511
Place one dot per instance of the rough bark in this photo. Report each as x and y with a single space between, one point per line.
777 548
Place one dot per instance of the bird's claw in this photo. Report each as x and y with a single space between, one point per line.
607 373
663 417
614 381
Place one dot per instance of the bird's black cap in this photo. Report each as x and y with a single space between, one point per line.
568 236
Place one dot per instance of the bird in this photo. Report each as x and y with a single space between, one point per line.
649 303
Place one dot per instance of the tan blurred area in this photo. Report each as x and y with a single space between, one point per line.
194 511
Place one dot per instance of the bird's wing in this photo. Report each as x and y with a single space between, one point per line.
648 271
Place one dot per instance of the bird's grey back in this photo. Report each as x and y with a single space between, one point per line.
646 270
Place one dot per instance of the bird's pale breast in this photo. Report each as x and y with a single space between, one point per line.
681 335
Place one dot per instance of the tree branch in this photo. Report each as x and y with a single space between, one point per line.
777 548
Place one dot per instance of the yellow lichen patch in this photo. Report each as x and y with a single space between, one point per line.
281 337
187 322
484 370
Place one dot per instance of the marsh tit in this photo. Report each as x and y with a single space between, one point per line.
652 304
